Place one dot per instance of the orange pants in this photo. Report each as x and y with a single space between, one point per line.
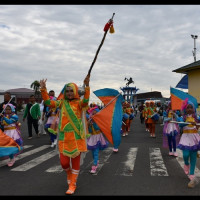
125 126
152 128
65 162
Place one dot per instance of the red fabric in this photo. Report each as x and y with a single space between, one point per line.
65 162
107 26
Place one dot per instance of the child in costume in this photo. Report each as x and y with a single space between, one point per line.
96 141
72 136
51 118
170 130
11 128
190 140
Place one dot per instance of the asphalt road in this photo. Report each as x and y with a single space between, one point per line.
142 167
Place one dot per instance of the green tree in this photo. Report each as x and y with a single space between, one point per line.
36 87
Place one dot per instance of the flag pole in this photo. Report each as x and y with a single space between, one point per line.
102 41
6 105
106 28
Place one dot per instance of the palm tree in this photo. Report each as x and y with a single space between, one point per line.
35 86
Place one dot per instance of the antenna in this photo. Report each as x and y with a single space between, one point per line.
194 52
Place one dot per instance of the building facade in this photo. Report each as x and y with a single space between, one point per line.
193 72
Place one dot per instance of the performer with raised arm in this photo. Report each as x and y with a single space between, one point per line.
72 136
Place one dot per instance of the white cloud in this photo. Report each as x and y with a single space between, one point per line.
59 42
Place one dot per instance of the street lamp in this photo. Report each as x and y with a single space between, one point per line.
194 52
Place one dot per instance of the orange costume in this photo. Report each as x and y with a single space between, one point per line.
127 118
72 136
151 123
130 111
145 115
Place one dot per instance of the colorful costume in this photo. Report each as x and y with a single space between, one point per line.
127 118
96 141
170 130
145 115
52 114
11 129
151 123
72 140
190 140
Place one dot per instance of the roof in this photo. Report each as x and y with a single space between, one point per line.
20 91
154 94
189 67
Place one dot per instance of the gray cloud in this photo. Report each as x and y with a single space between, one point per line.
59 42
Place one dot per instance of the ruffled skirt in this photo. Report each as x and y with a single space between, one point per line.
189 141
15 135
171 129
97 141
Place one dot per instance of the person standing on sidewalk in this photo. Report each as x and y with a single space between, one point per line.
33 114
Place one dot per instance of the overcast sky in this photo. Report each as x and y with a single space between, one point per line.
59 42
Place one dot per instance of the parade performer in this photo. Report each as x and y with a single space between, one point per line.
9 120
190 140
51 118
145 115
151 122
128 116
96 141
72 137
125 119
170 130
130 112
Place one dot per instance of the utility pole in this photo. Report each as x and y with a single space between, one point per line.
194 52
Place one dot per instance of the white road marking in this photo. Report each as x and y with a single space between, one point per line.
55 169
103 157
126 168
28 165
157 166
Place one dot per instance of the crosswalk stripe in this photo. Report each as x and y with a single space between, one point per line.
103 157
58 169
28 165
157 165
180 160
126 168
4 162
55 169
